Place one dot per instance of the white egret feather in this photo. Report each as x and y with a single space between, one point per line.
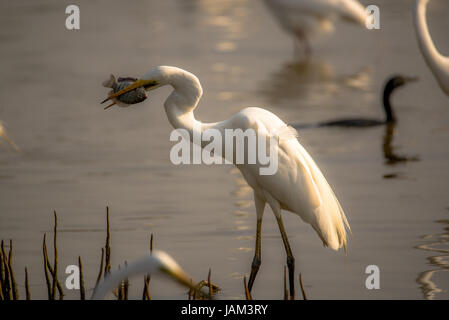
298 185
158 261
438 64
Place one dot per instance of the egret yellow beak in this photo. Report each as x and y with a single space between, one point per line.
180 276
135 85
109 106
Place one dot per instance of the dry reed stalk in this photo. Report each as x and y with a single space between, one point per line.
146 288
120 291
209 284
55 258
6 279
27 285
151 243
15 292
100 273
46 265
125 285
107 268
54 270
125 289
2 276
304 297
82 290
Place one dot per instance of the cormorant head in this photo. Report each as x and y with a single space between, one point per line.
398 81
393 83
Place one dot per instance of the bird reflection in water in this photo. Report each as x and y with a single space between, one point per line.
389 122
391 157
298 79
438 244
313 81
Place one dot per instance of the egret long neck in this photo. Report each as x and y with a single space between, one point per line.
438 63
181 103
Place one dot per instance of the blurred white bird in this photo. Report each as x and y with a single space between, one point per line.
5 137
158 261
306 18
298 184
438 64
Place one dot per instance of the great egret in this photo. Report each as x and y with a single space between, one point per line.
390 86
304 18
438 64
158 261
297 186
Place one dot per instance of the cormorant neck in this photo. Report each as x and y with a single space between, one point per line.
389 113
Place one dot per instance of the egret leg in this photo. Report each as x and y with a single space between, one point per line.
290 258
260 206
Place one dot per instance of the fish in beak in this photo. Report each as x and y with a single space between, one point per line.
126 91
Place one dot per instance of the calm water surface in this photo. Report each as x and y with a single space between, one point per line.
76 158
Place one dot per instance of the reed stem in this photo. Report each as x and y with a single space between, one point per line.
82 290
27 285
100 272
15 292
107 268
46 265
304 296
6 279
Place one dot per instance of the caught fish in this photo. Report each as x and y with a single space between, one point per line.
131 97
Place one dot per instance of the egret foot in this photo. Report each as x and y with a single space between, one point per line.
254 269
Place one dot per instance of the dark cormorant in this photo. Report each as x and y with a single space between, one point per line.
390 86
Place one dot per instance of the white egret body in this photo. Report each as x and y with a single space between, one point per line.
298 185
158 261
438 64
305 18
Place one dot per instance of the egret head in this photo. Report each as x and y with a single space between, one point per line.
151 80
179 79
169 266
158 261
